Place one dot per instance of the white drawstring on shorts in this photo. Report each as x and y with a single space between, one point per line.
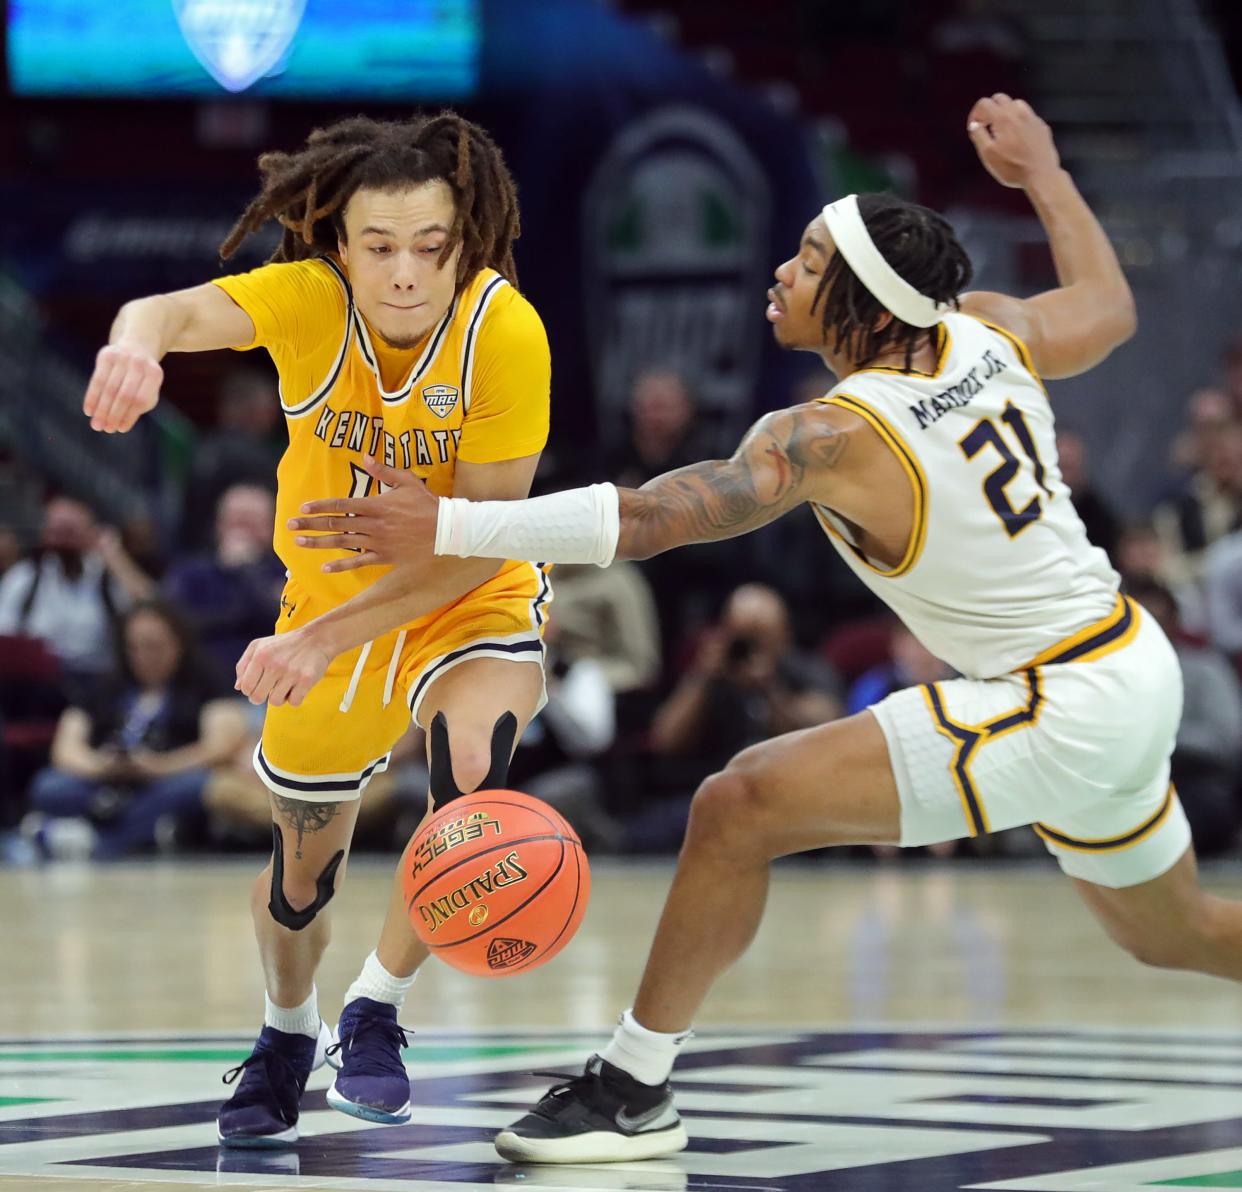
356 677
392 668
352 690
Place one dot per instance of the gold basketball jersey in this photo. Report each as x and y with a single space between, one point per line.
476 390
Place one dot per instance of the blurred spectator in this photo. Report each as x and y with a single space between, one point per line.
910 664
140 536
1206 412
1209 506
243 449
10 548
232 595
1233 374
1097 515
1208 750
1222 593
554 757
1142 559
21 497
608 614
746 683
665 431
1140 554
70 593
129 767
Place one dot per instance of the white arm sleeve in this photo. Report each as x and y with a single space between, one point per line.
580 525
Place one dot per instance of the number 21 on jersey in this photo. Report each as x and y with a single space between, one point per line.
985 433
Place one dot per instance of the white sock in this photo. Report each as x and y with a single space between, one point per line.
301 1020
377 983
647 1056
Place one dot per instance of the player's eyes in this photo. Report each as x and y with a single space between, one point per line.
807 269
380 249
433 249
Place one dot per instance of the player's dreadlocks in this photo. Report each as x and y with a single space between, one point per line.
306 192
921 246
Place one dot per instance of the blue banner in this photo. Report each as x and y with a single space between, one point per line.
395 49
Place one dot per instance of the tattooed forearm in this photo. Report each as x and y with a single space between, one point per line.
305 818
769 474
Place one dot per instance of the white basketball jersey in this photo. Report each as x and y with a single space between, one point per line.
998 569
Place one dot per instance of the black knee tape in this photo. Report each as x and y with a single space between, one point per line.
325 887
443 785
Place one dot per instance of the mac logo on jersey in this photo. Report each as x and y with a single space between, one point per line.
440 399
239 41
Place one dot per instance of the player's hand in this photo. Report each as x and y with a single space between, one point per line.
281 669
1013 143
398 523
124 386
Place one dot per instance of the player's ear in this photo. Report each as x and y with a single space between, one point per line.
883 321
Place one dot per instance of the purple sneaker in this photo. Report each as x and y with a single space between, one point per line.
263 1110
371 1082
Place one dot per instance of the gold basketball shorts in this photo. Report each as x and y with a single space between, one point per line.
327 748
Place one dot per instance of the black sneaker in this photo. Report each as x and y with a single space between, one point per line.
602 1116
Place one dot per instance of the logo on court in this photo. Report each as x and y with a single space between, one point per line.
440 399
239 41
1037 1110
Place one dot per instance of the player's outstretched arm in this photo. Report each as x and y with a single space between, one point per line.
1074 327
787 457
127 377
780 463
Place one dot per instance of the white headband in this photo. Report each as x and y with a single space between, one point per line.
854 243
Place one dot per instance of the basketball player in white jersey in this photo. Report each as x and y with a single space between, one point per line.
932 468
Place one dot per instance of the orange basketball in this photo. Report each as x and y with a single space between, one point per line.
495 883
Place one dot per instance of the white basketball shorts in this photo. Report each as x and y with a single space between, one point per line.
1077 746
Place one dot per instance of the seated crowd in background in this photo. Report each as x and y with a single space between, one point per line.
119 731
132 760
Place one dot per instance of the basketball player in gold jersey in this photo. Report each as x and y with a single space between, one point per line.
932 466
391 313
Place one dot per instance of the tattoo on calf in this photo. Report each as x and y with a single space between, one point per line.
305 818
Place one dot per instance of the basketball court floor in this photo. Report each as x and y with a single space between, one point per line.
896 1028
